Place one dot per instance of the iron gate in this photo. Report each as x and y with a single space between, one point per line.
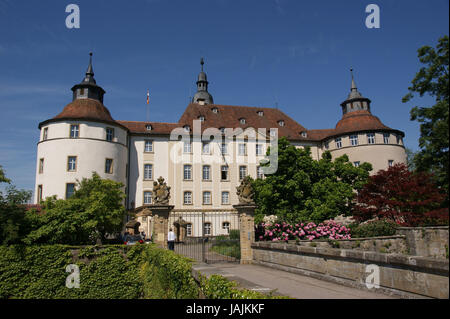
207 236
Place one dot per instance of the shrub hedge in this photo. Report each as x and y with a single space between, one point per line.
373 228
107 272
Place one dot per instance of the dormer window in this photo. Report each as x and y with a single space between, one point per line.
260 113
222 130
303 134
281 123
215 110
186 128
201 118
242 121
148 127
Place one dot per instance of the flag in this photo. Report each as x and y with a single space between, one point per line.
148 96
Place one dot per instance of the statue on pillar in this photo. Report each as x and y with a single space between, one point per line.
245 191
161 192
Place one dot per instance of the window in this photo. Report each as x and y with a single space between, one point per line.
188 229
224 173
386 138
187 172
147 198
74 131
354 140
281 123
223 148
215 110
148 127
41 166
205 148
186 128
259 172
206 173
259 149
207 198
207 229
356 163
222 130
304 134
148 171
242 149
148 146
260 113
226 227
72 163
187 148
371 138
108 166
109 134
390 163
398 139
225 198
187 198
242 172
45 134
70 189
39 193
201 118
338 142
327 145
242 121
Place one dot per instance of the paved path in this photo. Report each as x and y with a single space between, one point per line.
265 279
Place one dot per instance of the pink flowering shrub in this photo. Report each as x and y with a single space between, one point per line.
284 232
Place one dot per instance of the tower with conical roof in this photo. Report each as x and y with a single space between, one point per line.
88 88
355 101
202 96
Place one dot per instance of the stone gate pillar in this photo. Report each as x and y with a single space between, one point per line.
247 232
161 223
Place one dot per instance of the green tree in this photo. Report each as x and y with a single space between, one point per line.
432 79
95 210
303 189
14 224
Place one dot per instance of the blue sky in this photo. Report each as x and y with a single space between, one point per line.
257 53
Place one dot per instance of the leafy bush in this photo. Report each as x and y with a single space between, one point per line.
235 234
373 229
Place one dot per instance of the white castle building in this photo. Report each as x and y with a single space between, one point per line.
203 172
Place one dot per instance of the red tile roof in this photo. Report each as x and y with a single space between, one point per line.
157 127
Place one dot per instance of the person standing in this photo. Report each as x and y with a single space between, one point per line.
171 239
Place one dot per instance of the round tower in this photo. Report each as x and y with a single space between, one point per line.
80 140
202 96
363 137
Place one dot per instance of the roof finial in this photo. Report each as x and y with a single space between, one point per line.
202 62
353 88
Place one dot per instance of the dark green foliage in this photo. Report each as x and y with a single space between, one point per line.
14 222
95 209
433 79
373 229
303 189
235 234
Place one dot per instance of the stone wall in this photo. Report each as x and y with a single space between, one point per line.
385 244
406 276
426 241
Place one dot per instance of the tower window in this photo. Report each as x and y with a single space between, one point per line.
386 138
74 131
39 193
390 163
338 142
371 138
70 189
354 140
45 134
41 166
71 163
109 134
108 166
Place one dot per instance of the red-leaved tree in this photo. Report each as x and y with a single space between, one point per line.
409 199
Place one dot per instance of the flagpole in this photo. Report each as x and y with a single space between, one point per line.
148 106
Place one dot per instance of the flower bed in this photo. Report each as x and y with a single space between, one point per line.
301 231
